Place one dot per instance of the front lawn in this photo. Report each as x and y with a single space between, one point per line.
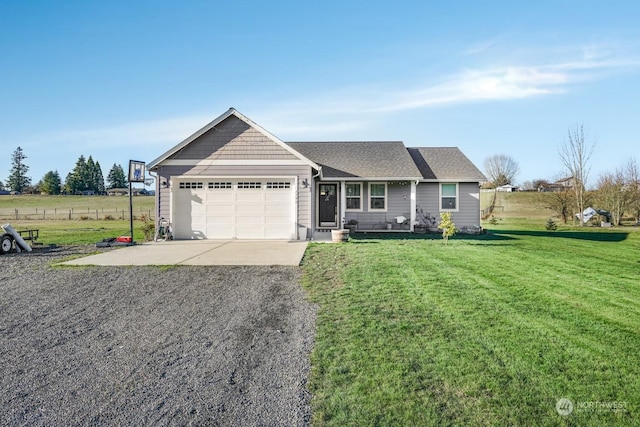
491 330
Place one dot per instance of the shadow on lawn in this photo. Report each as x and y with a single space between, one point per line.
594 236
368 237
496 235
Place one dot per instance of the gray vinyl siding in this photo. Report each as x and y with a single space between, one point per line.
302 172
398 204
468 214
233 139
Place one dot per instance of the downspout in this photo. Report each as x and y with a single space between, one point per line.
156 178
314 210
343 204
414 207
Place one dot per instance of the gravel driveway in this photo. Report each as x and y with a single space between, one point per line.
151 345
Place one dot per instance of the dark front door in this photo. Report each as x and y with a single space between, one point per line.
328 205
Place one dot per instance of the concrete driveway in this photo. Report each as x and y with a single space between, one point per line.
201 252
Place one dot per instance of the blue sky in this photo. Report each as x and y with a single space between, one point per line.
128 80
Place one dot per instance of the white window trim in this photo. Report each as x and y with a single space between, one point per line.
386 196
457 209
346 197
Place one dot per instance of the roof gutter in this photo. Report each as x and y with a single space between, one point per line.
319 174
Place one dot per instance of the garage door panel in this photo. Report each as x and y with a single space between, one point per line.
249 220
219 231
244 208
250 232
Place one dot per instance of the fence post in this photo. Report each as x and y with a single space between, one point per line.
16 214
96 214
44 214
70 210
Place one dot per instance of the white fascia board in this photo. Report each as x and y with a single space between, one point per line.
274 138
449 180
238 162
231 111
236 177
367 179
155 162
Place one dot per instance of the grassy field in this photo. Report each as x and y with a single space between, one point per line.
490 330
75 219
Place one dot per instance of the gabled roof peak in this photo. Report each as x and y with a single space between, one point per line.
230 112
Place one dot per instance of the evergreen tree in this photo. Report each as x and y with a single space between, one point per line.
71 184
90 175
116 177
76 181
50 183
18 180
99 179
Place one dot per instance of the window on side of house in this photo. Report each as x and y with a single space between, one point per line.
354 196
377 196
449 196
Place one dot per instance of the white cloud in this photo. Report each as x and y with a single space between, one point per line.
353 108
345 110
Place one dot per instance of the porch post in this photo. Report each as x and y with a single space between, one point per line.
414 184
343 203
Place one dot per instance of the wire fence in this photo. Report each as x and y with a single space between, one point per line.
46 214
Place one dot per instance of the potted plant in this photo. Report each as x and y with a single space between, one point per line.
340 235
352 225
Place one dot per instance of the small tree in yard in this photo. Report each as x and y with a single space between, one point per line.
614 194
560 202
447 226
575 154
551 225
632 177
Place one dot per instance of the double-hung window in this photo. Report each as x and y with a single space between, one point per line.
354 196
378 196
449 196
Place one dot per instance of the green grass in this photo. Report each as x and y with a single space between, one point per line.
58 207
490 330
50 214
63 232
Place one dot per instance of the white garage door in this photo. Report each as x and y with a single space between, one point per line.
234 209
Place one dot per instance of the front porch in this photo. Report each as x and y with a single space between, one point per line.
380 206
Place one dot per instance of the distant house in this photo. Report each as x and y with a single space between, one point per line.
507 188
559 185
566 183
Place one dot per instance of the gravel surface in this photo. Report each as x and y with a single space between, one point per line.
151 345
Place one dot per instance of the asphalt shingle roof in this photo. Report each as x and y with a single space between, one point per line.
445 163
360 159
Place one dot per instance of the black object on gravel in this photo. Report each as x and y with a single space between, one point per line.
151 345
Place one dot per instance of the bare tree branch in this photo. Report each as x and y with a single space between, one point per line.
575 154
501 169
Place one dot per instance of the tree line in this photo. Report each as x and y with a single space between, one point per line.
85 178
